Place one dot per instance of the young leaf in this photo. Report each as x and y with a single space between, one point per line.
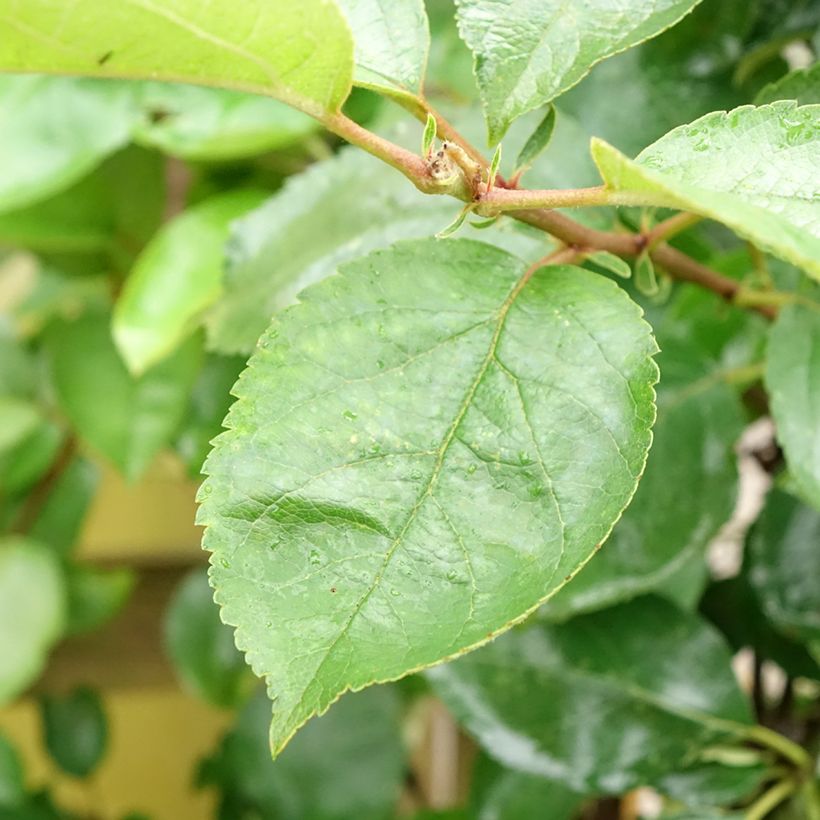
391 44
128 419
175 278
440 451
429 136
496 161
75 730
300 53
793 382
645 280
201 647
32 612
456 223
56 129
802 85
754 169
609 261
537 142
537 697
19 418
784 563
526 55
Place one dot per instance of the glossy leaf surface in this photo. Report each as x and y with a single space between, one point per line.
436 479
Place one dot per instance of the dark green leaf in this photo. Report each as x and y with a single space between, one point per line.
32 612
75 731
129 420
538 141
802 85
432 394
600 703
201 646
12 783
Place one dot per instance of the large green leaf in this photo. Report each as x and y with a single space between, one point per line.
392 40
754 169
802 85
216 124
441 426
54 130
301 53
75 730
349 764
175 278
793 382
335 211
601 703
784 564
127 419
527 53
201 646
32 609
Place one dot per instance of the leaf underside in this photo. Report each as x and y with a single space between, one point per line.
423 450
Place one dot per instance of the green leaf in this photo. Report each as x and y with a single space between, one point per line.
201 646
210 399
526 55
537 142
429 136
335 211
793 383
456 223
751 168
700 417
31 612
300 53
505 794
599 703
128 420
207 124
610 262
175 279
96 596
349 764
55 129
784 563
12 782
496 161
392 41
436 417
705 785
646 282
18 419
75 731
802 85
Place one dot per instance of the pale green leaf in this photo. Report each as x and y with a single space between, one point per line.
442 426
527 53
802 85
32 611
54 130
201 647
300 53
646 281
391 44
754 169
216 124
335 211
455 224
18 419
429 136
793 383
612 263
127 419
95 596
175 279
600 703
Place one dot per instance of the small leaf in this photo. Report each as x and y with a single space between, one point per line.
18 419
300 53
429 136
609 261
75 730
12 783
483 224
535 698
201 646
129 420
793 383
456 223
526 55
392 41
390 507
802 85
175 278
32 612
96 596
645 280
752 169
496 161
537 142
